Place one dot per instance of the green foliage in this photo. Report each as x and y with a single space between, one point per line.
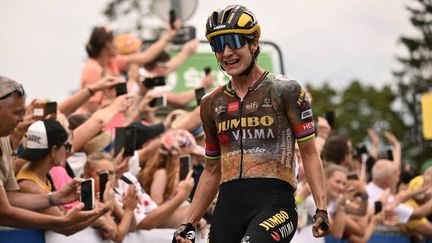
357 108
415 76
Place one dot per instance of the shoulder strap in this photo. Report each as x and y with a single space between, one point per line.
125 179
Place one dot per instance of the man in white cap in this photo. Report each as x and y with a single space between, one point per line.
16 207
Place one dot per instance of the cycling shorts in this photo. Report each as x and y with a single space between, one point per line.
255 210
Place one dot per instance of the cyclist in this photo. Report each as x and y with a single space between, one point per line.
251 126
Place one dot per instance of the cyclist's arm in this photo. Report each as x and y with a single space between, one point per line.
206 191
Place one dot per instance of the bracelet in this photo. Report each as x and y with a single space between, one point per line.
91 92
298 200
51 201
19 132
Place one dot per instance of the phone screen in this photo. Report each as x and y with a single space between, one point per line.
199 93
352 176
121 89
51 108
129 141
156 81
172 17
330 117
87 194
207 70
103 179
389 154
378 206
159 101
184 166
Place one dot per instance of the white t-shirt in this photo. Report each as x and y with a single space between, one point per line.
145 204
402 211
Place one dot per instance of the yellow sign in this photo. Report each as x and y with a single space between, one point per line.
426 108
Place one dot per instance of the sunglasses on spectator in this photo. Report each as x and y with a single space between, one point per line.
68 147
18 89
234 41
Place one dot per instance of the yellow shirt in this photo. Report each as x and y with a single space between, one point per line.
25 174
7 176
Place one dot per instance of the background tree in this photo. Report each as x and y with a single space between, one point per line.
414 76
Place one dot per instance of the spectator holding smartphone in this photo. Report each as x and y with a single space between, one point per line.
103 60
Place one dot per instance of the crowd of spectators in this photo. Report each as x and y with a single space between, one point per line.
45 156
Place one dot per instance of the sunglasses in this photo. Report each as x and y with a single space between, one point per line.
234 41
17 89
68 147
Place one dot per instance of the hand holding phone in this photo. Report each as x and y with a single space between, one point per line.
159 101
125 138
87 194
207 70
352 176
45 110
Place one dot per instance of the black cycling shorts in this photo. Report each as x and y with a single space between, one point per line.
257 210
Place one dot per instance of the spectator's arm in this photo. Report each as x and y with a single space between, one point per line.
373 136
188 49
422 211
127 219
156 48
90 128
75 101
158 186
323 131
396 148
338 221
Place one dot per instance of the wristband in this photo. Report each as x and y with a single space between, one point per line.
19 132
186 231
51 201
324 225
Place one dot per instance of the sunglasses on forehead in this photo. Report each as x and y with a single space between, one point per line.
17 89
234 41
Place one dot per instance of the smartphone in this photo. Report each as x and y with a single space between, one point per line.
51 109
185 166
159 101
199 93
130 141
361 149
42 110
153 82
378 207
330 117
103 179
87 194
207 70
352 176
125 138
121 89
172 17
389 154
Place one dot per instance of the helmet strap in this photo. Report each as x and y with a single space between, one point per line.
248 70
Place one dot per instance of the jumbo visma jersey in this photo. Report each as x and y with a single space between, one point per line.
255 137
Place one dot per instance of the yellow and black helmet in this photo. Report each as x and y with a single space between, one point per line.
233 19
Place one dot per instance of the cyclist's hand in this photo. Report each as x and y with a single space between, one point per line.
321 226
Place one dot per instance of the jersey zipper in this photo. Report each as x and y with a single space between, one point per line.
241 138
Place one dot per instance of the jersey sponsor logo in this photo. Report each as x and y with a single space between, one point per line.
219 27
301 97
252 106
245 239
267 103
306 114
276 236
254 150
284 231
245 122
220 109
286 148
275 220
233 106
260 133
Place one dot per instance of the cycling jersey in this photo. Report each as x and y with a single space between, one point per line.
254 137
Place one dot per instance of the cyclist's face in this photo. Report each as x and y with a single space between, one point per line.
235 61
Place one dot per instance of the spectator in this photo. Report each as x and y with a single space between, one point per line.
16 207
